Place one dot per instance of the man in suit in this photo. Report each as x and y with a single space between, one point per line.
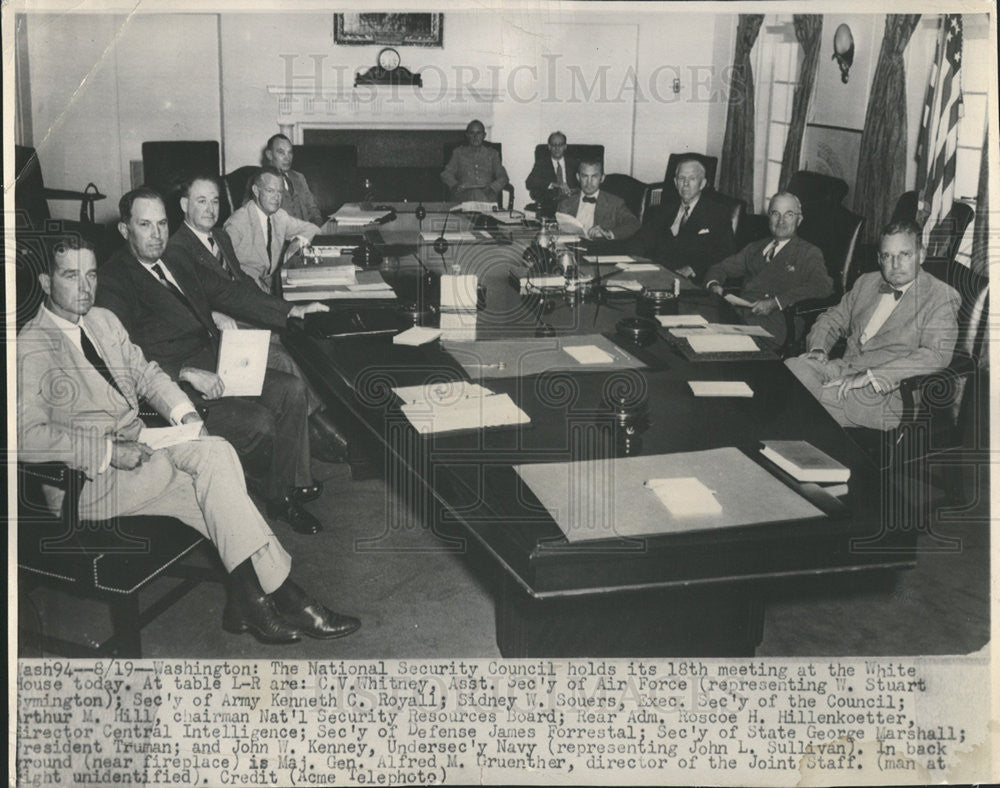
210 246
898 323
165 303
777 272
691 231
474 171
603 215
80 380
297 200
260 227
554 176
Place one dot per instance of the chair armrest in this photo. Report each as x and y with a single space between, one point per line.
61 476
940 383
54 473
813 306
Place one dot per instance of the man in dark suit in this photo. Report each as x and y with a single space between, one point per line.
898 323
554 176
604 216
211 247
777 272
691 231
165 303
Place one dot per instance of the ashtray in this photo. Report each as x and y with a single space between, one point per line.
641 330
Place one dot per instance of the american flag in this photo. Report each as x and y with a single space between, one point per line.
939 128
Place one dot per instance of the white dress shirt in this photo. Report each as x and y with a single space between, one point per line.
206 239
887 302
585 211
555 169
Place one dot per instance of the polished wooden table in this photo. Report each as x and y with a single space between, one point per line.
694 593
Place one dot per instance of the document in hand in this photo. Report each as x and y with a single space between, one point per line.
161 437
569 224
243 361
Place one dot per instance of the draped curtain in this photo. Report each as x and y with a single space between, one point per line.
882 160
808 30
736 178
981 228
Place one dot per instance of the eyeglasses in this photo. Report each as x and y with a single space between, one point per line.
887 257
787 215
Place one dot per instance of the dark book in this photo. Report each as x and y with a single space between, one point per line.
805 462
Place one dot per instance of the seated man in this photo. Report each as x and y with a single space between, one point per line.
297 201
97 430
210 246
777 272
554 176
603 215
260 227
690 231
898 323
474 171
165 301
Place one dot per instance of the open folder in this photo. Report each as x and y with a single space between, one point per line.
243 361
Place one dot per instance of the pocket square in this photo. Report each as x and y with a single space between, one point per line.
703 231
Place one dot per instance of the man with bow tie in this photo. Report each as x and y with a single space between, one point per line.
898 323
80 380
603 216
777 272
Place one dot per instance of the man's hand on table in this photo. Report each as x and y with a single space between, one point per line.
687 272
301 310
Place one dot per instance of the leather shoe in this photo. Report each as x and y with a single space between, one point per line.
326 443
258 616
306 494
302 522
309 616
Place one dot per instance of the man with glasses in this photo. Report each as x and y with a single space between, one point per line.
777 272
898 323
554 176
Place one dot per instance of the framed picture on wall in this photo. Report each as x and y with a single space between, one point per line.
422 30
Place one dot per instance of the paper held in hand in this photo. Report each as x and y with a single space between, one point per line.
162 437
570 225
243 361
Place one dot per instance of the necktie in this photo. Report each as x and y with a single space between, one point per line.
560 176
175 290
288 186
590 199
214 247
769 255
886 288
270 236
98 363
684 216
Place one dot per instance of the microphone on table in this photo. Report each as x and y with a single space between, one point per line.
441 244
421 214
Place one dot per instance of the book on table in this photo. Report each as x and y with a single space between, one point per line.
805 462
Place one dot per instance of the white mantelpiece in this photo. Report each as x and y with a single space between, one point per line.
380 107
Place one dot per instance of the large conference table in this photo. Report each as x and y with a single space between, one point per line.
692 593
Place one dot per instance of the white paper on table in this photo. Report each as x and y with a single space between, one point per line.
351 214
569 224
548 280
369 286
161 437
621 260
624 284
463 235
668 321
476 206
440 392
568 238
685 497
720 388
459 292
416 336
735 300
589 354
243 361
458 326
635 268
721 343
738 328
495 410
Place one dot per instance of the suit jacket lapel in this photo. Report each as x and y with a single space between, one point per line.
192 292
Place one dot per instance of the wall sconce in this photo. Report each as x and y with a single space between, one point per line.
843 51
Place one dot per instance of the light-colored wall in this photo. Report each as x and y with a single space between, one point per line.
103 83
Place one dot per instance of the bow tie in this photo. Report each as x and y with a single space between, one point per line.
590 199
885 287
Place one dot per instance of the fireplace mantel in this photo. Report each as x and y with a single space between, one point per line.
380 107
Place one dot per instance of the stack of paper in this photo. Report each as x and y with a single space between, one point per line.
440 393
243 361
416 336
459 292
450 407
805 462
668 321
352 216
722 343
342 274
685 497
476 206
720 388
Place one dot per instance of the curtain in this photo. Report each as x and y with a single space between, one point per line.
808 30
736 178
981 228
882 160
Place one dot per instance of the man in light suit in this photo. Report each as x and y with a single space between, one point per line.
260 227
210 246
80 380
603 215
298 200
553 177
777 272
165 303
474 171
898 323
691 230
